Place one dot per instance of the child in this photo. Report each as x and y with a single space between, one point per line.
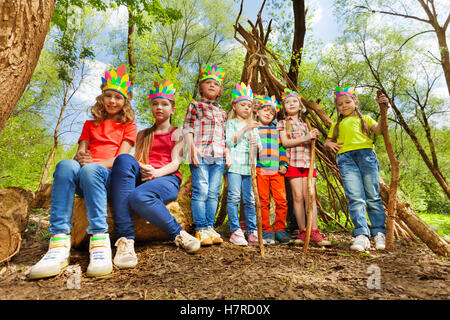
296 138
111 133
271 167
204 131
358 165
145 182
239 176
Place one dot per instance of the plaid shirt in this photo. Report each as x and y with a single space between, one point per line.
240 151
206 120
299 156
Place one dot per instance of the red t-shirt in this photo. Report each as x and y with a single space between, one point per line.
160 153
105 139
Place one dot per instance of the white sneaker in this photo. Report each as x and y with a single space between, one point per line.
380 241
100 256
56 258
214 235
187 242
360 243
238 238
125 256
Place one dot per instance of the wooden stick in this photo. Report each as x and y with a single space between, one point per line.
311 190
392 202
256 195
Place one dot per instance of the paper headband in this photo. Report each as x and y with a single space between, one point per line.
242 92
163 90
349 91
117 81
212 72
290 93
271 101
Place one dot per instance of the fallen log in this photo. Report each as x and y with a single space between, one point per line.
145 231
15 210
404 211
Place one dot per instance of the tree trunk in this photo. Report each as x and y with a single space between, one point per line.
299 38
24 25
14 213
131 58
437 244
443 49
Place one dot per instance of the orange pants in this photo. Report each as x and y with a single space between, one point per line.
266 184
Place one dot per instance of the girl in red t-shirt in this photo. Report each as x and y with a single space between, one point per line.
145 182
111 133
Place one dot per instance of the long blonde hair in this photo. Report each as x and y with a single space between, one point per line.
99 113
364 126
144 141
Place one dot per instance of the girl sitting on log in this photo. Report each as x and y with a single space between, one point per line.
111 133
145 182
296 138
241 135
359 168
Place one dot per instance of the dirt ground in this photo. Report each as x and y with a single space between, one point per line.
166 272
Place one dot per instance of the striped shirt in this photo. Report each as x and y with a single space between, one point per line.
240 151
300 155
272 155
206 120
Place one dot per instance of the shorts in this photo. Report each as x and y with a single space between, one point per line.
294 172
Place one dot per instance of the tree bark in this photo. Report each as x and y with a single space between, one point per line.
14 213
24 25
392 202
299 38
131 57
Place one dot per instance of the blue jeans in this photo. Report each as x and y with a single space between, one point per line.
147 199
90 181
236 184
206 181
360 174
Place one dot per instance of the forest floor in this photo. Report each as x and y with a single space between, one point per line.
165 272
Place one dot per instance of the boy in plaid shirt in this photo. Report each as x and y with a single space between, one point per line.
204 131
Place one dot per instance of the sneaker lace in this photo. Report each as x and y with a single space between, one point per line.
56 248
98 248
124 247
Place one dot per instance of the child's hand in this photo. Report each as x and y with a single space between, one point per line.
83 157
147 171
282 170
334 146
227 161
252 125
193 156
313 134
382 100
253 142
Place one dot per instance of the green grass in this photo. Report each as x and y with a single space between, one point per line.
438 222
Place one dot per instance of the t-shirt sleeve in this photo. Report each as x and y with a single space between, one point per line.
370 121
330 132
85 132
129 133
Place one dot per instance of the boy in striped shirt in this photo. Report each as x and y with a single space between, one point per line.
271 166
